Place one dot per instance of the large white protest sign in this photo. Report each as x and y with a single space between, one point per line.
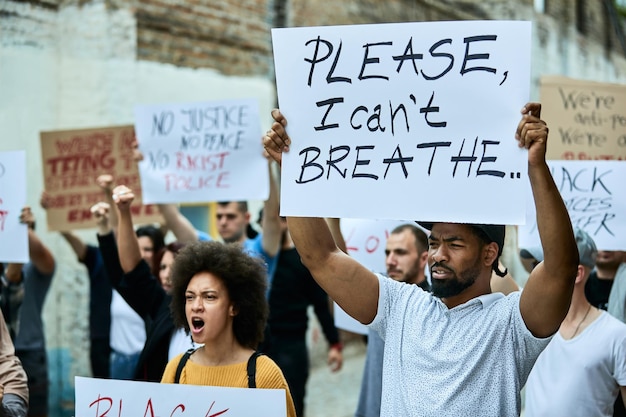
13 234
595 196
108 398
404 120
366 241
199 152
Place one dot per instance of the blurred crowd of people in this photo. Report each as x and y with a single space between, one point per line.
448 327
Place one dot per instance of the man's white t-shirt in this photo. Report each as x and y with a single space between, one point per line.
471 360
579 377
128 330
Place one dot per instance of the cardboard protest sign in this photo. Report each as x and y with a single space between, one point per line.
102 397
587 119
73 159
366 242
404 120
202 152
13 234
595 196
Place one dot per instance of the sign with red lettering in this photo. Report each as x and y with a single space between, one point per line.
73 159
587 119
202 152
404 120
13 234
595 197
116 398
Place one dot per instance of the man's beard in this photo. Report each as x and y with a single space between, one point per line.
444 288
608 264
234 238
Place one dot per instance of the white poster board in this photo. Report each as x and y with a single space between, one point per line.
13 234
595 196
201 152
110 397
386 117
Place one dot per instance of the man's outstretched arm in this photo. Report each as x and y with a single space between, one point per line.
349 283
546 297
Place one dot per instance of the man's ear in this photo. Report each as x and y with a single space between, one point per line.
423 260
490 253
580 274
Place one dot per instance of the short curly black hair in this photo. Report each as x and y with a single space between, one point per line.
245 279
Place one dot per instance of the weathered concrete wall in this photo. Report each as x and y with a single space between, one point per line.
77 67
68 64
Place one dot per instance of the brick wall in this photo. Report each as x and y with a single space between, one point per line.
214 33
232 36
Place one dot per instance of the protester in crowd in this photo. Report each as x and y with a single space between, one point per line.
144 292
600 291
617 298
474 353
28 329
218 296
13 382
406 254
233 221
606 289
606 286
406 258
583 367
99 298
293 290
127 330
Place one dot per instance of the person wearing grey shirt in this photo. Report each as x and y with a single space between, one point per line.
444 365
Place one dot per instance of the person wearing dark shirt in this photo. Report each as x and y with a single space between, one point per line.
292 291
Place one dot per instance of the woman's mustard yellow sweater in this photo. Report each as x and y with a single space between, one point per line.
268 375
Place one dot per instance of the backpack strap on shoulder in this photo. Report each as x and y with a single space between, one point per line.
181 364
252 369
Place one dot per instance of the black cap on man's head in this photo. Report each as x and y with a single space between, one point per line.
493 232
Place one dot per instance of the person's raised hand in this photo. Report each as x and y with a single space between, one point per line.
276 140
105 182
123 196
45 200
100 212
27 217
532 133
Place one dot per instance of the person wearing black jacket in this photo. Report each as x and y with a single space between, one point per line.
132 278
292 291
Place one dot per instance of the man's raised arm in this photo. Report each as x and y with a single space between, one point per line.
546 297
349 283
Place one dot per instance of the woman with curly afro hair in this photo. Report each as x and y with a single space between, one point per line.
218 296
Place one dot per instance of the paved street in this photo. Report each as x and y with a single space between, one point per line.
335 394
